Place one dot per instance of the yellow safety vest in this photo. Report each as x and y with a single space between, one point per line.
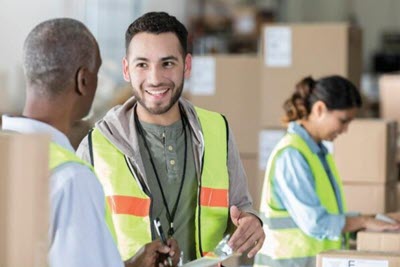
286 244
131 205
59 156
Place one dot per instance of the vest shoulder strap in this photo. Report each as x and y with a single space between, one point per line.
60 155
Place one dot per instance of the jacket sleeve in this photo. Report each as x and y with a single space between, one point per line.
238 189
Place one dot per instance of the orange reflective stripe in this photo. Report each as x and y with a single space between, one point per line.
129 205
213 197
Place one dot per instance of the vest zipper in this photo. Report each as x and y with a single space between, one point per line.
199 206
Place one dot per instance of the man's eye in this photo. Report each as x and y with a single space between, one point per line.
141 65
168 64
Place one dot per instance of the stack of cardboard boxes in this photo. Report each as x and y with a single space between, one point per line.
378 249
24 178
366 161
389 94
292 52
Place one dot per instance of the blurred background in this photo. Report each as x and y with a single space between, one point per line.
216 26
248 55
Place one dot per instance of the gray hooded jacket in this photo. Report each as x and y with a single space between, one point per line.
119 128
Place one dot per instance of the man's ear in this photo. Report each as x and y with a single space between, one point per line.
125 69
82 81
188 65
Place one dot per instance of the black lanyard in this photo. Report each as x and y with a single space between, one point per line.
170 216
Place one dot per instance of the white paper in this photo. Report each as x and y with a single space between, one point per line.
202 80
278 46
203 262
245 24
267 142
335 262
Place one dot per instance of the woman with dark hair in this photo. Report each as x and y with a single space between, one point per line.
303 205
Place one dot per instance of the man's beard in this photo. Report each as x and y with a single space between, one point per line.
160 110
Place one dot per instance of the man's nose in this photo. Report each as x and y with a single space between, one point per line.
154 76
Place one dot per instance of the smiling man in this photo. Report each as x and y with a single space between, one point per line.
158 156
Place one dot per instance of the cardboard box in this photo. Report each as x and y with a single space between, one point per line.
378 241
370 198
267 140
367 151
254 180
354 258
230 85
24 177
294 51
389 96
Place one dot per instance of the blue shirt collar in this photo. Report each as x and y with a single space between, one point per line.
296 128
26 125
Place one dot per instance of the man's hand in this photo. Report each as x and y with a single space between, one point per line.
249 232
174 253
150 254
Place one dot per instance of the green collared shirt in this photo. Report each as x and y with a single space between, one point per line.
167 148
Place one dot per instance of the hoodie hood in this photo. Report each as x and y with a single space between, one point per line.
118 126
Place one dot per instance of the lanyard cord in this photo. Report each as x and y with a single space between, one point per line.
170 216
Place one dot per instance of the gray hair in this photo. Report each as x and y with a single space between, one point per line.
54 51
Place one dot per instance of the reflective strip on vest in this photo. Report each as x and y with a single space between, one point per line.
131 206
278 223
59 156
286 242
212 197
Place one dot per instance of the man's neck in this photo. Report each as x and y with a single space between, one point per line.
165 119
51 114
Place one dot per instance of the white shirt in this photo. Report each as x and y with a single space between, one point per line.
79 236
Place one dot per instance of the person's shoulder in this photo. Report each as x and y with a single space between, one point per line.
289 153
74 172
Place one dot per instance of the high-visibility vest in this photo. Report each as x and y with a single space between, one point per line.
286 244
131 203
60 156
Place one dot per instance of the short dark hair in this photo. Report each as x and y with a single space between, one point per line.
335 91
53 52
156 23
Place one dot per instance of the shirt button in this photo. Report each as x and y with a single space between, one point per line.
172 162
170 148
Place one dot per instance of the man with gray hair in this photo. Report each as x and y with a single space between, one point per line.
61 60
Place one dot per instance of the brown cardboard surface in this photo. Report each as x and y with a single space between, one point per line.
237 97
317 50
348 258
254 180
23 199
389 96
367 151
378 241
370 198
